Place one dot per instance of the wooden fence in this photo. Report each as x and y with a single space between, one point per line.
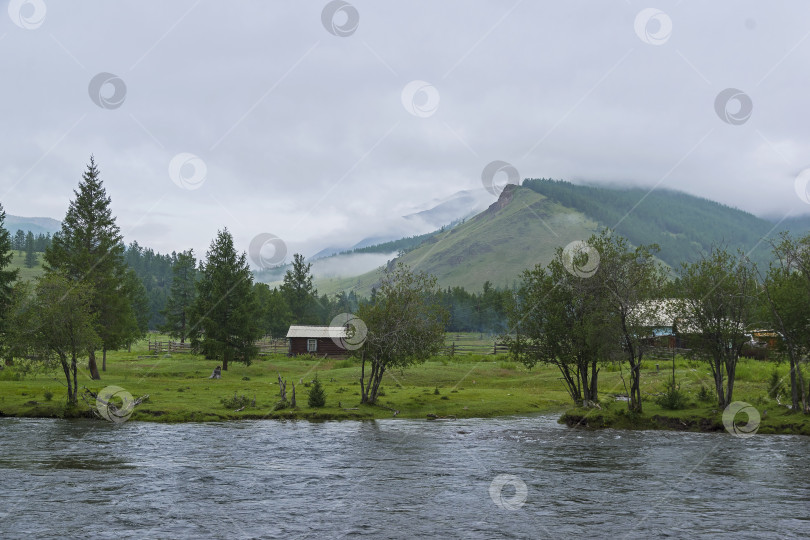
461 344
265 345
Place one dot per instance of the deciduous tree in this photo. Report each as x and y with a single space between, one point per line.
405 324
718 300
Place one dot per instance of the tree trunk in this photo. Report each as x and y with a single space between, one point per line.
74 364
103 358
635 386
93 367
66 369
292 401
363 396
794 387
594 386
225 361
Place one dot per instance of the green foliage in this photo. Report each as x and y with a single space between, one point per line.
155 272
89 249
59 324
48 395
317 396
718 300
275 315
682 225
183 293
7 278
706 395
775 384
224 320
30 253
298 291
673 398
405 325
235 402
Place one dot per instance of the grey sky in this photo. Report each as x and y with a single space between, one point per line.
304 134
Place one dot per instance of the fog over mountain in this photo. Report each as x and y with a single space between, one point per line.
325 130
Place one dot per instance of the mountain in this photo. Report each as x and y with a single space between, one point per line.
527 223
460 205
424 218
522 228
37 225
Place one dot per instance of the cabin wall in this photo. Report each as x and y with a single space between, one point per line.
325 346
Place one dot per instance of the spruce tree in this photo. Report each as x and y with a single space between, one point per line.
225 319
299 291
30 253
181 298
19 241
317 397
89 249
7 277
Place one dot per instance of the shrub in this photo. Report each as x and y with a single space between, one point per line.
235 402
436 391
317 397
672 398
706 395
283 404
48 395
775 385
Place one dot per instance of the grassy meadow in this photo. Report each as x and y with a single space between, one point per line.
26 274
179 390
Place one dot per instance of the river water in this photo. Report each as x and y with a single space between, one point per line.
524 477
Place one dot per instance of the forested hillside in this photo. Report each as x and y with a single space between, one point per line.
683 226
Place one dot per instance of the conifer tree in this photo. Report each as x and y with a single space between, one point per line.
30 254
7 277
181 298
89 249
317 397
225 319
299 291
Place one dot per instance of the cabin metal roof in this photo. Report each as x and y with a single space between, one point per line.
317 332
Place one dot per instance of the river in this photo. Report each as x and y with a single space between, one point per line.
525 477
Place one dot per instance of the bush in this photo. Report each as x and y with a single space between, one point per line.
672 399
706 395
283 404
317 397
48 395
775 385
235 402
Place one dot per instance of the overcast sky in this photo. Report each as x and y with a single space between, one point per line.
311 127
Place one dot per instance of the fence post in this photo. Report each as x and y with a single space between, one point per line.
453 349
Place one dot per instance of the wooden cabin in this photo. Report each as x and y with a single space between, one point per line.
316 340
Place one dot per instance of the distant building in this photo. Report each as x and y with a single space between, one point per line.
316 340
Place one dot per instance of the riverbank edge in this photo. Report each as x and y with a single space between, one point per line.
784 423
360 412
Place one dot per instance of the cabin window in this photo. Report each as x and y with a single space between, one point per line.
312 345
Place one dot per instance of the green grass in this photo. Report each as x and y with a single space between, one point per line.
26 274
469 386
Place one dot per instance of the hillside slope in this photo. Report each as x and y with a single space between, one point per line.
521 229
683 226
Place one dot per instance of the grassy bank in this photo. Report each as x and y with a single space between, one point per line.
179 390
